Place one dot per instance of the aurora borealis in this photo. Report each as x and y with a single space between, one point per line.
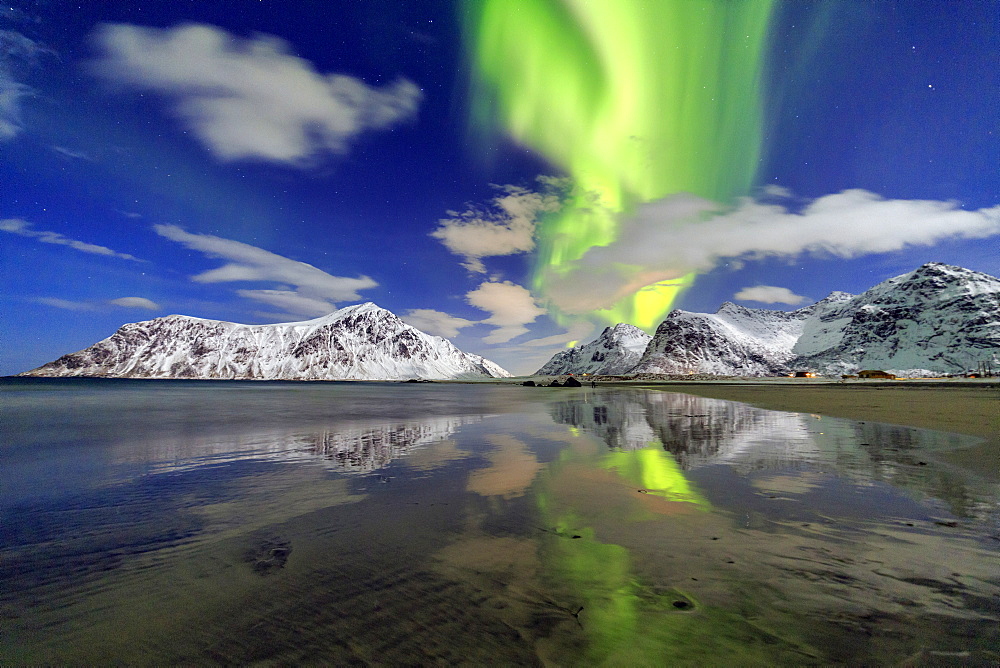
513 176
634 101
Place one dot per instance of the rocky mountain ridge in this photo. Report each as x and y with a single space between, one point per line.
615 351
362 342
936 319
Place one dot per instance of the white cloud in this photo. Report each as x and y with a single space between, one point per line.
70 153
291 301
65 304
312 291
15 50
683 233
505 227
23 228
250 98
512 307
769 294
436 322
135 302
777 192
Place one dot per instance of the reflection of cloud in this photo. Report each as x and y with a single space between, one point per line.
251 98
698 432
513 469
428 459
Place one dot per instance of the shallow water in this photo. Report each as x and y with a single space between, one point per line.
162 522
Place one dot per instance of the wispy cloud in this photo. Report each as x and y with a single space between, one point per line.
23 228
16 52
250 98
505 227
66 304
511 307
436 322
683 233
70 153
303 289
769 294
92 305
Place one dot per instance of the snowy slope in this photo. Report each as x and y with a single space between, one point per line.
938 317
361 342
733 341
615 351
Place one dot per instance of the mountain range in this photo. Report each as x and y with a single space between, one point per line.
362 342
936 319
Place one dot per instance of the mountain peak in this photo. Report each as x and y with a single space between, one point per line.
615 351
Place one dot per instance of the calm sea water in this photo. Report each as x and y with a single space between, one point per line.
166 522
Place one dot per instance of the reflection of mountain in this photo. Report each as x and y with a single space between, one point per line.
351 447
699 432
695 429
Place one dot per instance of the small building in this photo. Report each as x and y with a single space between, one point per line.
876 373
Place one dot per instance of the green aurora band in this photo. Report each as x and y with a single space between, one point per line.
634 101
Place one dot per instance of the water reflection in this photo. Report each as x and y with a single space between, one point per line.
351 447
700 432
572 526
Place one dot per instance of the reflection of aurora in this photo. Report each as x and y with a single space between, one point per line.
626 620
635 101
653 437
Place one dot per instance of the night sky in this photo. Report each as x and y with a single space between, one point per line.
512 175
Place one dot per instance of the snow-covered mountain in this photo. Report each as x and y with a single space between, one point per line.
733 341
362 342
615 351
938 317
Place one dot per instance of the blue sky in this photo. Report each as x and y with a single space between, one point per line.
269 162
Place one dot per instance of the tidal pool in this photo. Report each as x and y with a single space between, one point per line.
195 522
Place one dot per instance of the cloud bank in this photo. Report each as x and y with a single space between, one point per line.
505 227
683 233
250 98
304 289
769 294
23 228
